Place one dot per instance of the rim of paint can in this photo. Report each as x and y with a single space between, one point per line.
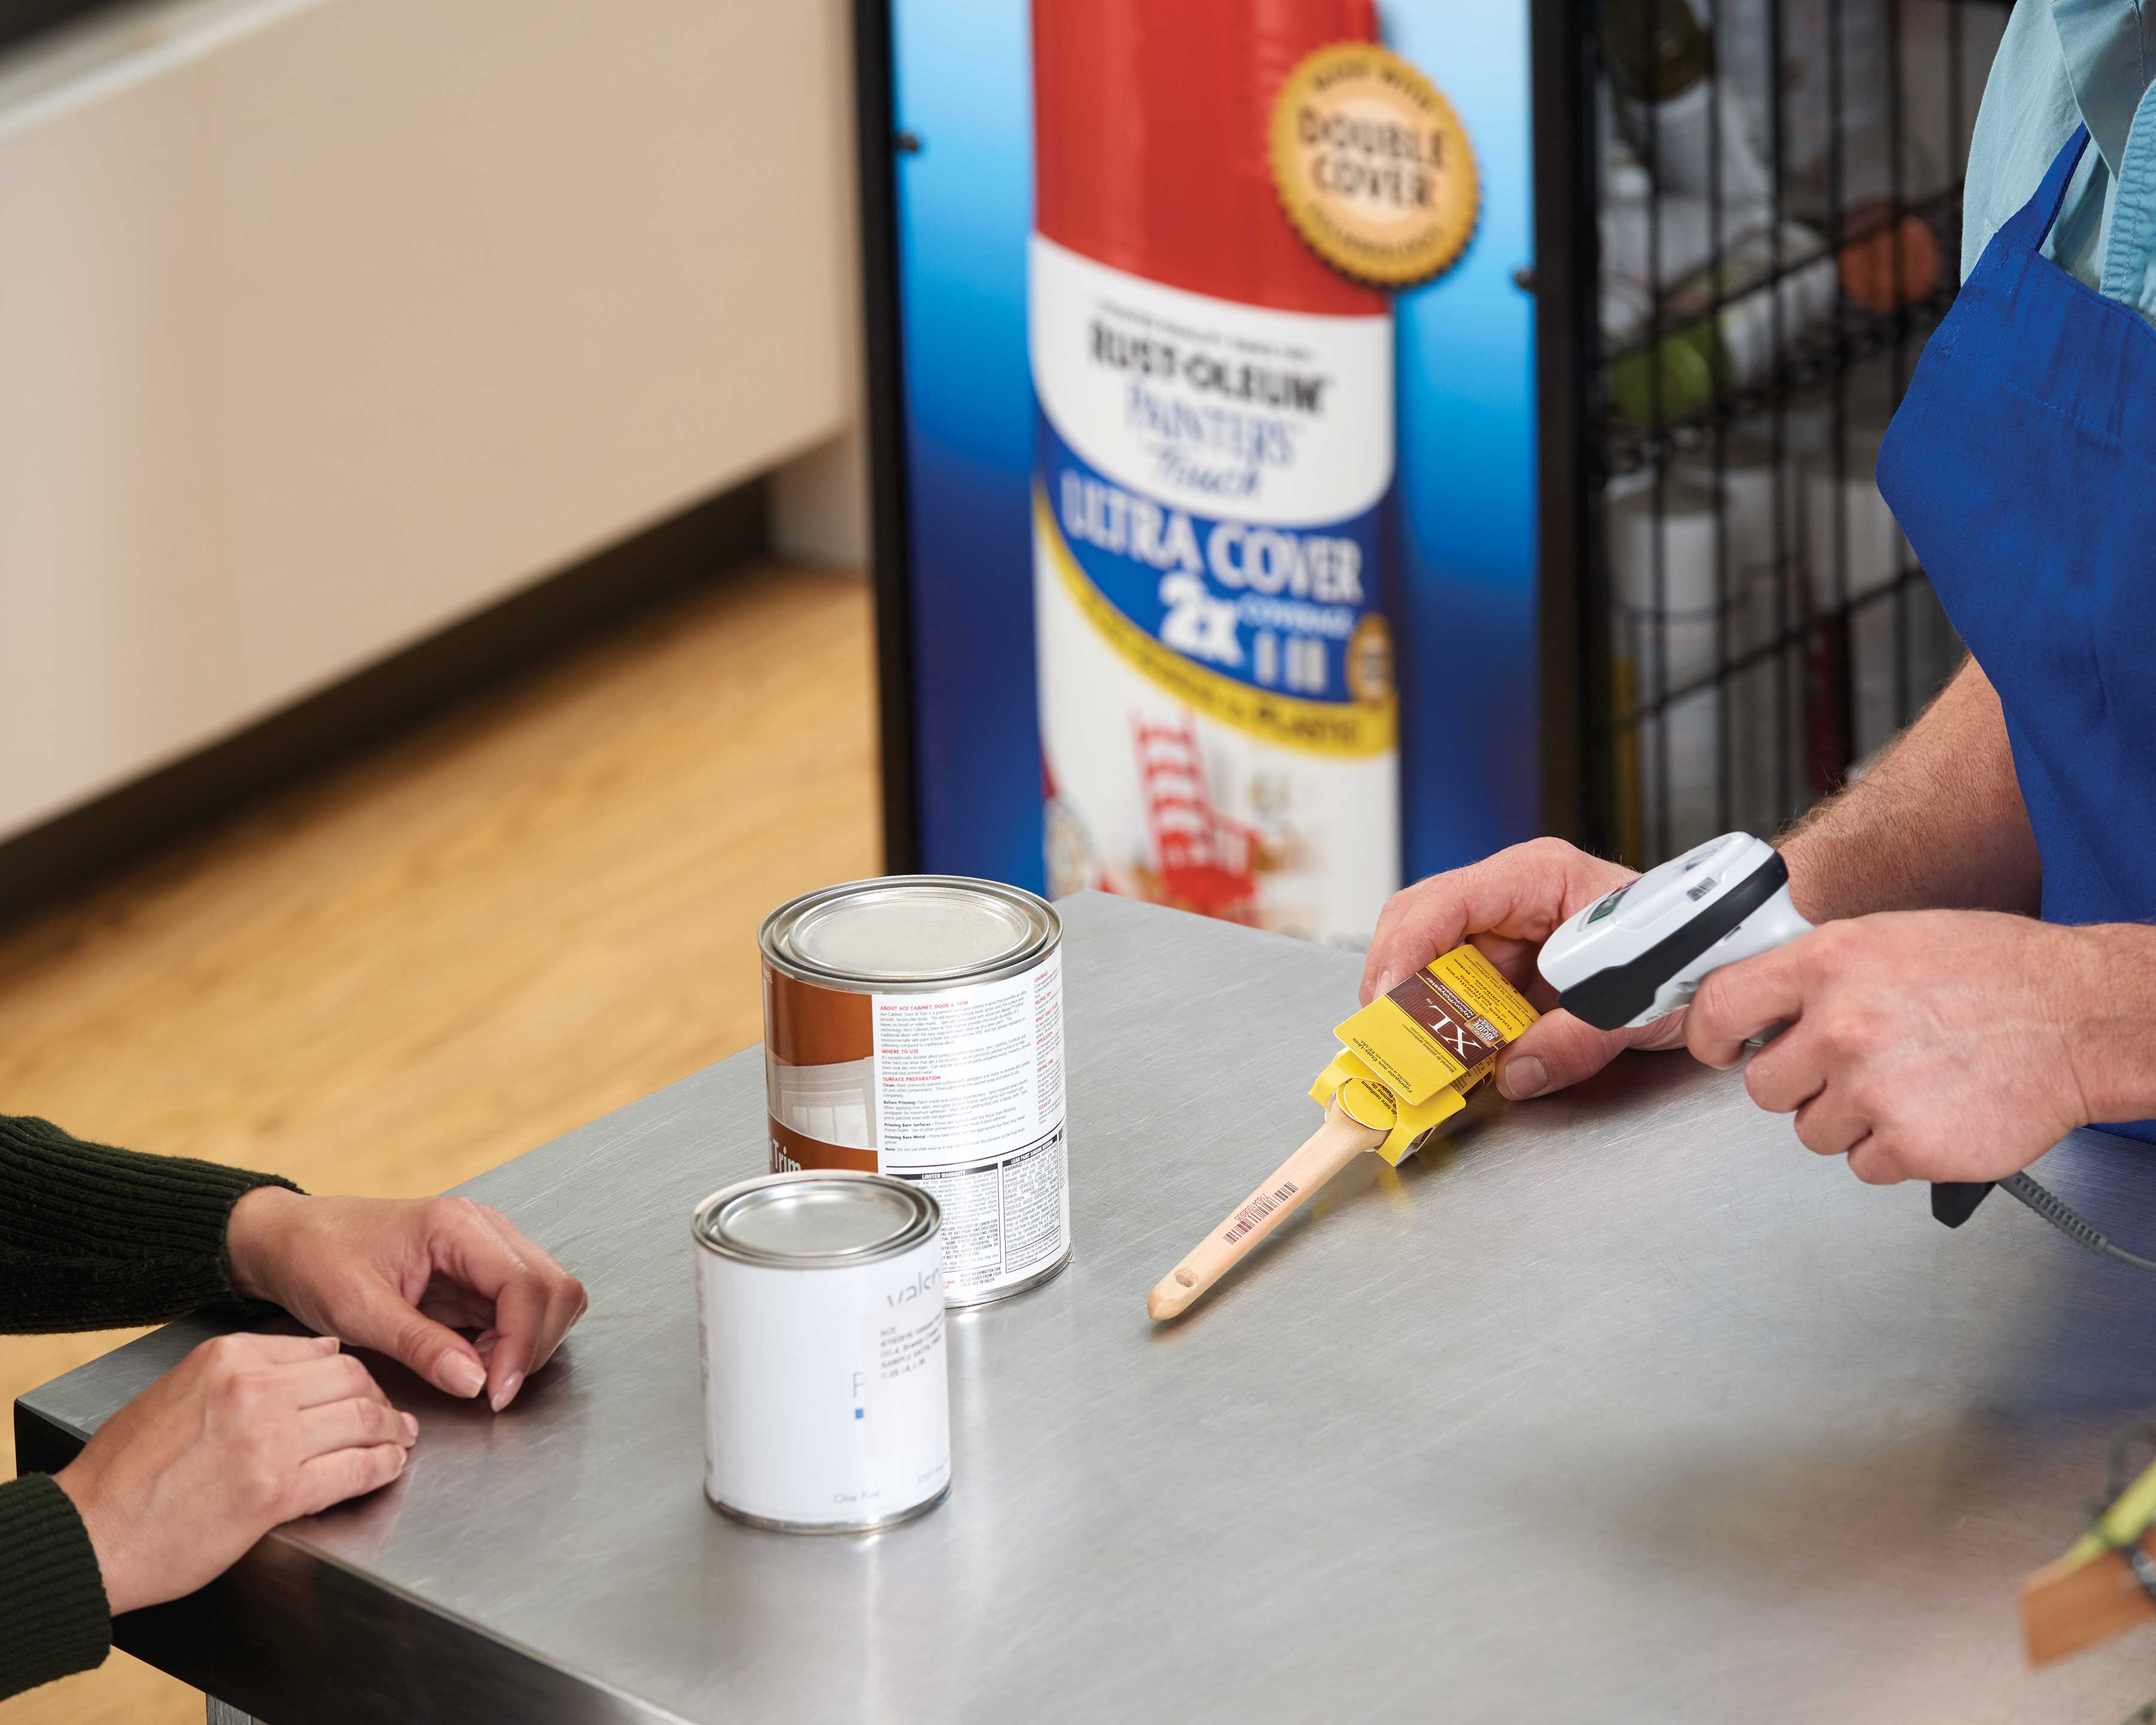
876 1525
818 1219
907 932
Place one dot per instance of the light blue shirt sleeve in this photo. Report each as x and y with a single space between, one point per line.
2062 63
2027 114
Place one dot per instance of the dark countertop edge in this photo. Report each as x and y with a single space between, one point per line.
349 1679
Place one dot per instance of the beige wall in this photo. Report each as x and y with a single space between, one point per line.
325 322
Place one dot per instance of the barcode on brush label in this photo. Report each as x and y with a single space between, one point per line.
1257 1209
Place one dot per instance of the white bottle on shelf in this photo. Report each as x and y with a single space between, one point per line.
1820 99
1661 242
1891 634
1687 125
1667 636
1626 306
1765 692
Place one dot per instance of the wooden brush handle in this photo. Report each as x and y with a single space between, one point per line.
1326 1151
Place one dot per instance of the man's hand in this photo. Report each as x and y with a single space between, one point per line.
1508 904
244 1433
403 1278
1923 1044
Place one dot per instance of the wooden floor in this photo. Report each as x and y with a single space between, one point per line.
540 907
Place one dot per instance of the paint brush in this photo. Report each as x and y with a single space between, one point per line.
1336 1143
2097 1590
1407 1062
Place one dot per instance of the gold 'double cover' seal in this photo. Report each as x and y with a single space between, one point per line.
1372 165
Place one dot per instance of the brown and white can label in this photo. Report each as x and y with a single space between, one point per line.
914 1027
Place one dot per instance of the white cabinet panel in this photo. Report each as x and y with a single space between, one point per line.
322 324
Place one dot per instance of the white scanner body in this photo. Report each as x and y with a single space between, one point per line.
1642 951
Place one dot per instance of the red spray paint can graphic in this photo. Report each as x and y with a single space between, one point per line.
1218 722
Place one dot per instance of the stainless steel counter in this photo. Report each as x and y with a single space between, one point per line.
1623 1408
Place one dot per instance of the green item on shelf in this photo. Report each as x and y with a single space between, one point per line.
1656 49
1692 364
1739 315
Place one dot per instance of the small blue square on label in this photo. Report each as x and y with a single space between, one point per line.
861 1413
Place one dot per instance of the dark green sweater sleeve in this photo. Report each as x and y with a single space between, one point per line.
54 1621
92 1238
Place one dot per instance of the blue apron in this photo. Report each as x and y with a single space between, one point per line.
2022 466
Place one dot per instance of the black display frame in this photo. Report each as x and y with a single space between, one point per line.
878 145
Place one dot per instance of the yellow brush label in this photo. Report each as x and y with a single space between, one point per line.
1412 1055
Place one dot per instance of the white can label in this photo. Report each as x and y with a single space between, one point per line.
960 1089
901 1377
826 1391
969 1102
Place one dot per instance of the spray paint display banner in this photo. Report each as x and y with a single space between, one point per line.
1219 726
1193 626
1216 448
1253 772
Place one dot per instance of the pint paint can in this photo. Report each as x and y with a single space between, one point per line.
913 1026
1215 446
827 1402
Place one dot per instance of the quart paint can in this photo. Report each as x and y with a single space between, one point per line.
1214 444
827 1401
913 1027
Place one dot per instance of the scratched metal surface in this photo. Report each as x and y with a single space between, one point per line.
1622 1408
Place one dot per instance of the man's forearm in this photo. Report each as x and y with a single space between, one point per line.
1939 824
2113 1040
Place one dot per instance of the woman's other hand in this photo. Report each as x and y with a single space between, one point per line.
245 1433
402 1276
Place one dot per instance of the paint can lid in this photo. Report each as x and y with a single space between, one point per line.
910 932
817 1220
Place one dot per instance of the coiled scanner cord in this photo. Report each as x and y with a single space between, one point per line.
2046 1204
2055 1210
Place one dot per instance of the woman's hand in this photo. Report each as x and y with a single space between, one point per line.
1508 904
402 1276
244 1433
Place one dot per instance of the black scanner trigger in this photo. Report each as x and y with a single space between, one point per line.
1953 1202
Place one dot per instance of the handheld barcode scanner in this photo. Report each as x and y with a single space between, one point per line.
1642 950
